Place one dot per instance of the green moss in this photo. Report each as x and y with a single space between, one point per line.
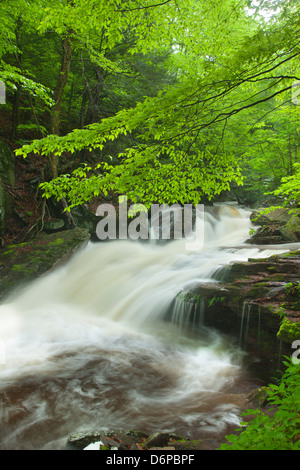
278 278
58 241
289 331
215 299
17 267
257 290
293 224
291 254
8 252
185 445
26 261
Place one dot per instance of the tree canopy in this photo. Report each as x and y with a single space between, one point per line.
175 100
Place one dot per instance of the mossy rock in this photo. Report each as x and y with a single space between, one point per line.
24 262
259 397
289 331
294 225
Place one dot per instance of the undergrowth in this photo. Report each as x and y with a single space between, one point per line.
281 431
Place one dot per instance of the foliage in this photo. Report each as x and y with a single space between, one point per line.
13 14
190 98
12 77
289 189
289 193
277 432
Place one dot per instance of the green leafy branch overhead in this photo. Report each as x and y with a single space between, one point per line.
229 74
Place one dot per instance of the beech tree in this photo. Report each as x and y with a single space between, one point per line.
13 14
227 63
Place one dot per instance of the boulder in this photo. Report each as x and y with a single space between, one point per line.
273 234
276 227
80 440
86 219
54 225
158 439
279 216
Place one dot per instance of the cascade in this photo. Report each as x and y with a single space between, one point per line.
258 325
102 341
245 318
186 316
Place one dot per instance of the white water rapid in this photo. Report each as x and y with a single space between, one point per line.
86 346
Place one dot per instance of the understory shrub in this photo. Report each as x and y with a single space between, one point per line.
279 431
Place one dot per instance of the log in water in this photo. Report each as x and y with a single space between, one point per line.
87 347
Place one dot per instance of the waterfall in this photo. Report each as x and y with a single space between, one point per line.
88 345
259 331
243 338
186 315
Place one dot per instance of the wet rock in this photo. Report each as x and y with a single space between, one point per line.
110 440
78 441
258 304
158 439
135 440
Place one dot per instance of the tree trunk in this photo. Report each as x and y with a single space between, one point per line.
15 113
58 94
56 111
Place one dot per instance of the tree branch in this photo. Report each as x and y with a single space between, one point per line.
145 7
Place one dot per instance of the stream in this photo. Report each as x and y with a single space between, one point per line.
87 347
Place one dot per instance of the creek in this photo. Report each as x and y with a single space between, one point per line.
88 347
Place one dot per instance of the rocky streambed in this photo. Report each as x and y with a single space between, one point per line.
256 303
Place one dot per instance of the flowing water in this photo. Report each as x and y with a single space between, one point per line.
86 346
